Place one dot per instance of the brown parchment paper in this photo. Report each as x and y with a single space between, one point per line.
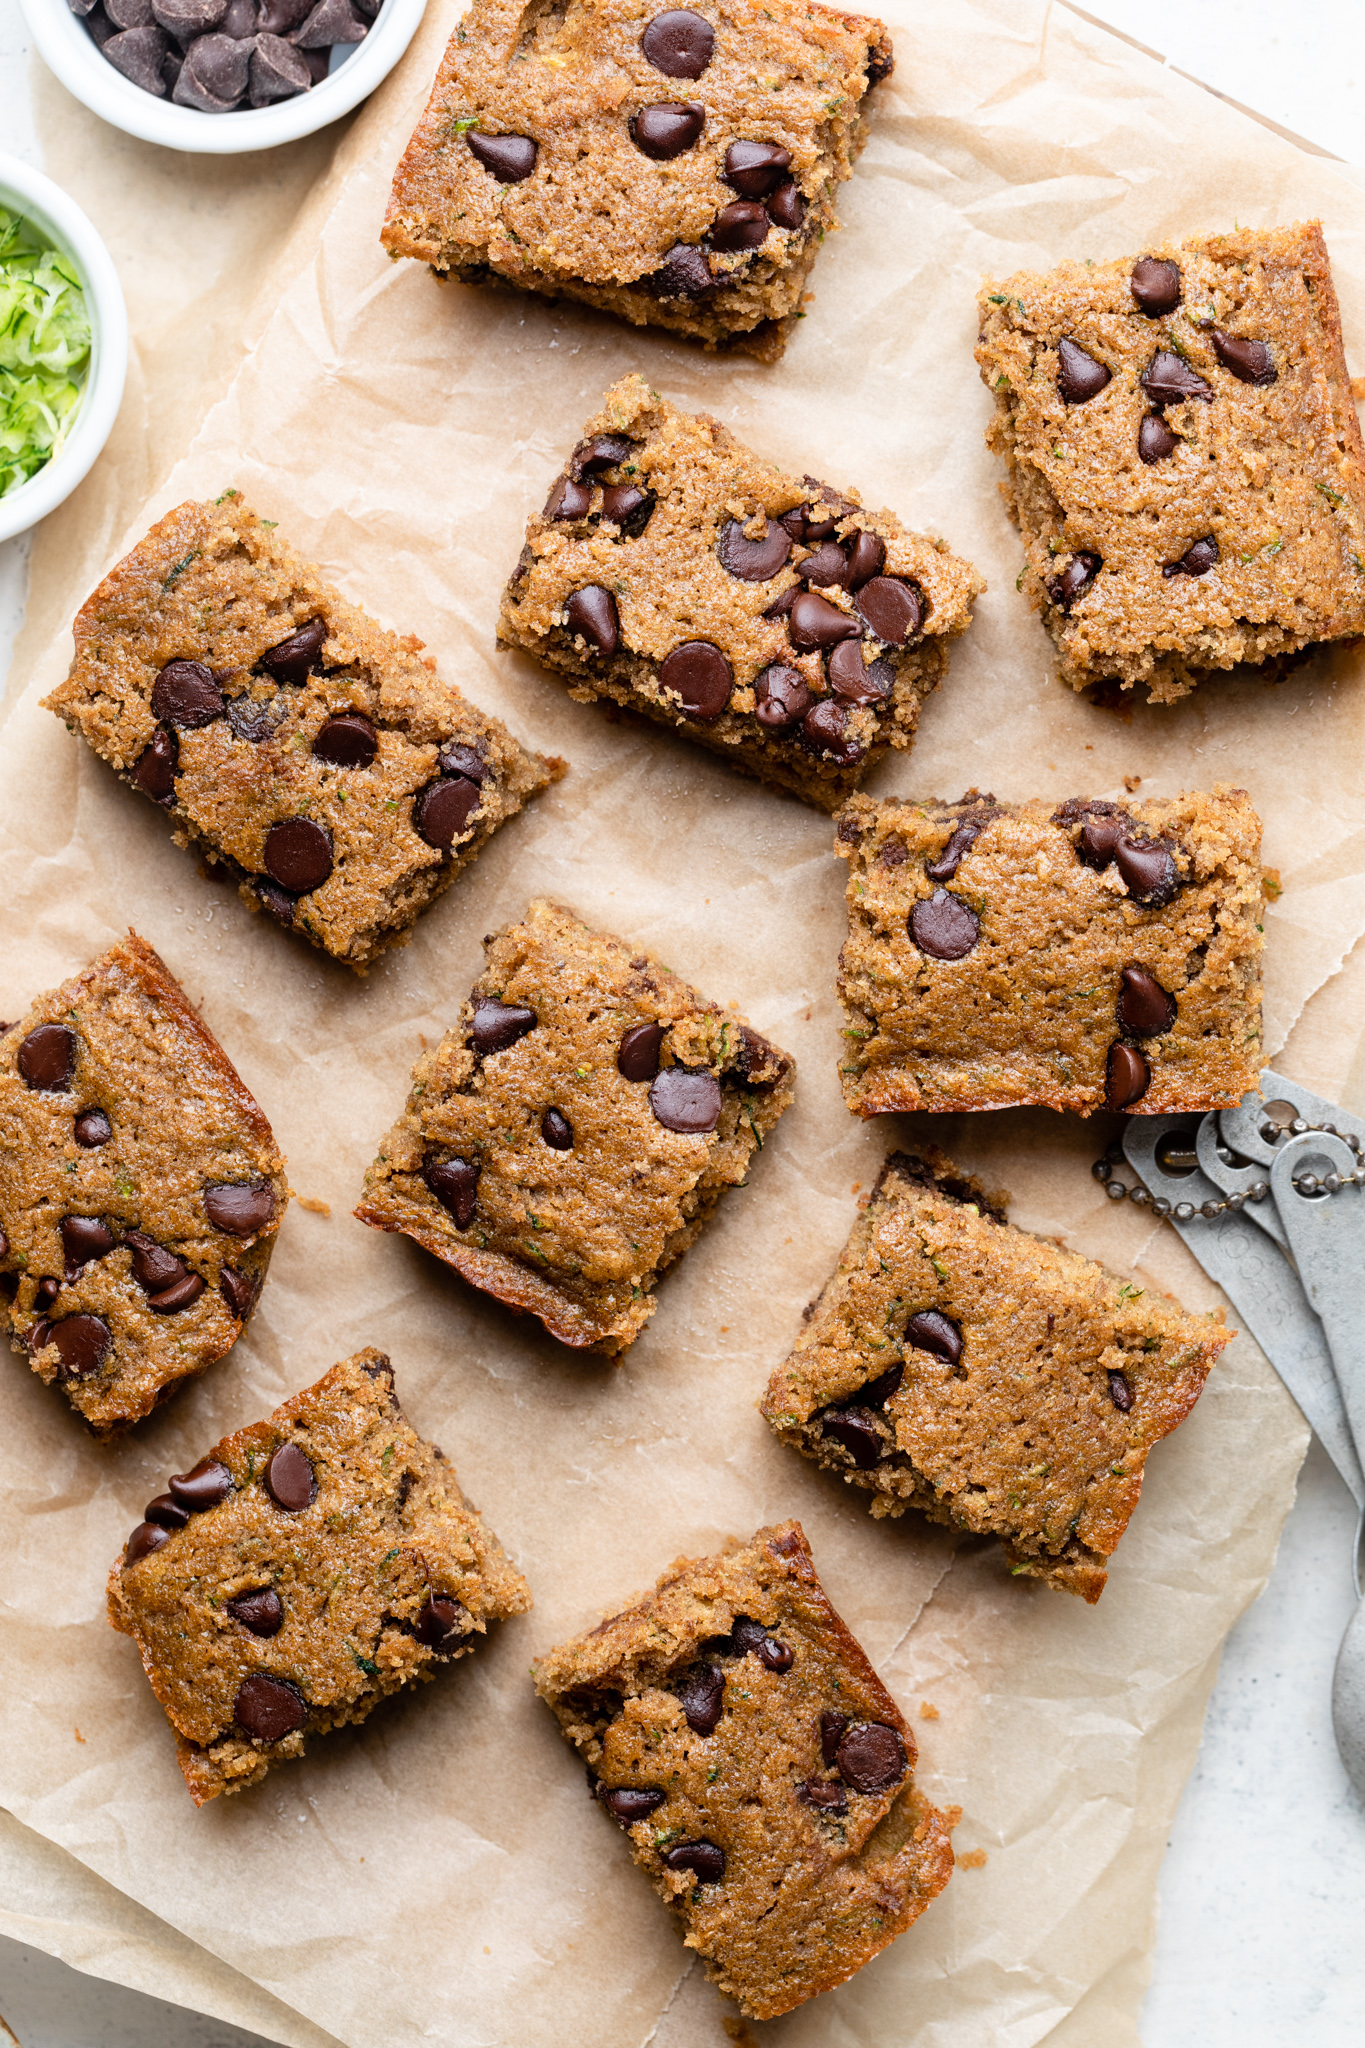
438 1875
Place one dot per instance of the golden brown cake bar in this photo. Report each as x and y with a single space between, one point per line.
987 1378
308 1566
767 616
313 756
1185 461
675 167
1085 955
141 1189
735 1729
570 1138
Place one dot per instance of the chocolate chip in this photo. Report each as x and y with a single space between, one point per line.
786 207
880 63
331 21
347 741
1075 579
278 17
1169 380
46 1294
47 1058
856 1431
1155 284
780 608
1148 867
140 53
455 759
237 1290
261 1612
214 74
1155 439
1197 560
1144 1008
800 523
290 1479
893 609
855 680
964 838
185 694
146 1538
878 1392
781 699
298 854
702 1696
815 622
556 1130
744 224
747 1634
440 1620
1120 1393
685 1099
1100 835
754 169
455 1184
700 676
629 1803
568 500
83 1343
510 158
93 1129
293 660
775 1656
1127 1077
443 809
185 19
704 1857
1248 360
85 1238
166 1511
866 558
679 43
598 453
823 1796
637 1056
155 769
240 1207
871 1757
667 128
824 729
494 1025
591 613
275 901
832 1727
277 71
133 14
179 1295
944 927
99 26
268 1708
753 561
1079 376
255 719
38 1335
241 19
826 566
628 507
929 1330
202 1487
683 274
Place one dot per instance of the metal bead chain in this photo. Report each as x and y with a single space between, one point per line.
1185 1212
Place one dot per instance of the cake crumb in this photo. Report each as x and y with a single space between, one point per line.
928 1711
1131 782
313 1205
974 1859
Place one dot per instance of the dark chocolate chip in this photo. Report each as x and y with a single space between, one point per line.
700 676
702 1696
240 1207
893 609
347 741
237 1291
202 1487
781 699
241 19
591 613
628 507
1148 867
290 1479
85 1238
1075 579
944 927
824 1797
1144 1008
494 1025
753 561
294 659
47 1058
1155 439
134 14
1248 360
569 500
929 1330
800 523
815 622
1100 834
269 1708
185 694
93 1129
775 1656
261 1612
455 1184
99 26
510 158
866 558
185 19
1168 380
140 54
824 729
855 680
878 1392
1079 376
667 128
1120 1393
832 1727
443 809
275 901
683 274
179 1295
747 1634
556 1130
255 719
685 1099
46 1294
965 836
298 854
871 1757
786 207
825 566
679 43
637 1056
754 169
146 1538
277 71
744 224
1155 284
278 17
704 1857
155 769
166 1511
38 1335
598 453
1199 557
1127 1077
214 74
880 63
629 1803
440 1620
455 759
331 21
780 608
83 1343
856 1431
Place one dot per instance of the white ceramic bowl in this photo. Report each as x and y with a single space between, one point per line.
67 48
26 191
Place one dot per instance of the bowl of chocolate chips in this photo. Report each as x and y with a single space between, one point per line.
221 76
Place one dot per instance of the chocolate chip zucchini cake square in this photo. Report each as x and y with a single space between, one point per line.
1185 461
303 1570
313 756
571 1136
734 1728
767 616
1085 955
141 1189
988 1378
675 167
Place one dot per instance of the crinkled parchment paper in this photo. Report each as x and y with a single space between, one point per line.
439 1876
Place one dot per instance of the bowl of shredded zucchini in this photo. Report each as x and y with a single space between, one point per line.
63 346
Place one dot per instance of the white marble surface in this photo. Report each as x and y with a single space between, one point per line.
1263 1886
